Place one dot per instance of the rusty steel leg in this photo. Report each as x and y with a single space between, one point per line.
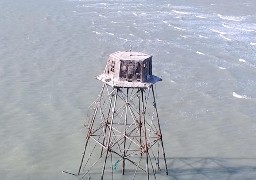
140 123
145 132
106 124
109 134
158 122
125 126
90 129
112 173
158 164
82 160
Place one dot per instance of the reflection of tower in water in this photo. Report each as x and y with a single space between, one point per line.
123 126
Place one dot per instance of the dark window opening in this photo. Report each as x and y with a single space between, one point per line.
130 71
138 71
112 66
150 67
123 71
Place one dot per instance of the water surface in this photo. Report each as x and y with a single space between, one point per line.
51 51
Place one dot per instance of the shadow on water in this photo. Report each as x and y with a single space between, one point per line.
212 168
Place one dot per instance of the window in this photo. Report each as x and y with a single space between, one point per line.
138 71
112 66
130 71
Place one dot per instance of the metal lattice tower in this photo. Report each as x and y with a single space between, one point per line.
123 128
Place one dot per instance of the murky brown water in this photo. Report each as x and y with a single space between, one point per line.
51 51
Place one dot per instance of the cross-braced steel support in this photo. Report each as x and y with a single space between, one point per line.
123 134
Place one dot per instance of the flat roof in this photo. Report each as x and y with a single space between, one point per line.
136 56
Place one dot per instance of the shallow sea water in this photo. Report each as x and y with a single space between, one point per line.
205 51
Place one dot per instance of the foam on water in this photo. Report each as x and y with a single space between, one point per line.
224 37
198 52
240 96
109 33
200 16
178 28
222 68
247 30
181 12
100 15
226 26
98 33
202 36
242 60
135 14
183 36
123 39
214 30
231 18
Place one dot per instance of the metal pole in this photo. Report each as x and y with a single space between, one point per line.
90 129
112 174
106 125
110 132
139 123
158 122
125 124
145 131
